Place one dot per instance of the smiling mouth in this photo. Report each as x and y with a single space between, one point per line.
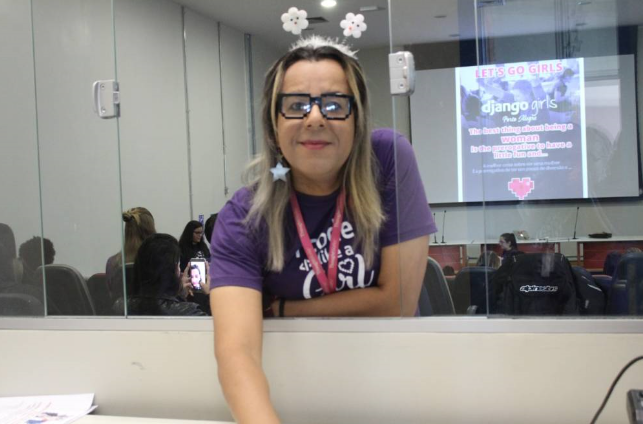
314 144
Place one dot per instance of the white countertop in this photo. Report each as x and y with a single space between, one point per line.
104 419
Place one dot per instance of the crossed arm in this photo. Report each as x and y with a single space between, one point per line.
238 324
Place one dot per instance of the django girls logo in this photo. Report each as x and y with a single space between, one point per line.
521 187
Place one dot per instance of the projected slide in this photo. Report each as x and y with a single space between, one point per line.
521 131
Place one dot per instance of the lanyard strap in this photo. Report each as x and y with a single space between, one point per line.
327 282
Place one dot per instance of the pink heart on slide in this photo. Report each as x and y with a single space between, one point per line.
521 187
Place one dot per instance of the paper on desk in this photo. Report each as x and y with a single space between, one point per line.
61 409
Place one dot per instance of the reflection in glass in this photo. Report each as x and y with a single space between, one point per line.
533 119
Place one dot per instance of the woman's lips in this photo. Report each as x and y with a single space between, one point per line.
314 144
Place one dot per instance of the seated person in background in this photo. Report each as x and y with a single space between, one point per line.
209 227
8 284
139 225
489 258
8 239
30 254
192 244
611 260
501 277
509 245
448 271
161 287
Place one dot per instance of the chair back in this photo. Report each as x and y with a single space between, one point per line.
630 271
472 287
617 299
97 285
437 289
20 305
67 289
424 303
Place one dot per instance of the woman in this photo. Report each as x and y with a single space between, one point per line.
159 281
321 179
139 225
192 243
489 258
509 245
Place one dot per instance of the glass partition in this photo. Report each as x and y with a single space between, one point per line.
525 124
60 162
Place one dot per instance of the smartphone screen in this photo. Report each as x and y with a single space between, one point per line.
196 273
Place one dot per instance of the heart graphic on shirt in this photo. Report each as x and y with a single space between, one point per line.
346 266
521 187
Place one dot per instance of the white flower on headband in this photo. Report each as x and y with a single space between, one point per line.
353 25
295 20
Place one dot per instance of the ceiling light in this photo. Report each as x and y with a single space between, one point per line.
329 3
371 8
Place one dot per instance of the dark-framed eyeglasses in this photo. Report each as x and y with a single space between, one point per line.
333 106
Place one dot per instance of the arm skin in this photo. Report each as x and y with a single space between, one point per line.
400 281
238 338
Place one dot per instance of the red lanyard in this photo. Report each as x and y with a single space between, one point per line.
328 283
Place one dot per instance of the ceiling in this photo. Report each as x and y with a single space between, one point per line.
420 21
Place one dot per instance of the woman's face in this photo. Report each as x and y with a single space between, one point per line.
504 244
315 148
195 277
197 234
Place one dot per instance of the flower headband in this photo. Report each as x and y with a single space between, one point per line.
295 21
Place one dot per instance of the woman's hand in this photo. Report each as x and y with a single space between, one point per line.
186 286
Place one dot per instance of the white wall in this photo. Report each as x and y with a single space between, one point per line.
374 61
153 126
18 142
374 378
264 55
236 121
81 166
205 116
73 42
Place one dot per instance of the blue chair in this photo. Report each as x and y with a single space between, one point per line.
629 272
67 289
471 289
436 287
424 303
617 299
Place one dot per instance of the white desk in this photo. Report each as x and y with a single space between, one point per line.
104 419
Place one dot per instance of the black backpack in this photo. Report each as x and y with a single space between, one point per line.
591 299
540 284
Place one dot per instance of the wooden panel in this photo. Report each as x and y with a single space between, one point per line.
526 247
594 252
453 255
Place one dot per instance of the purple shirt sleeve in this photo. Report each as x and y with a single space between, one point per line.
235 259
401 186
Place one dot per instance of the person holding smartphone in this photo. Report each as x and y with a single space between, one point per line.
192 243
161 286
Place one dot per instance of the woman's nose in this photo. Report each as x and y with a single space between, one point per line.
315 117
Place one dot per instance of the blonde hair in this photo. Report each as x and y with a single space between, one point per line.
139 225
358 175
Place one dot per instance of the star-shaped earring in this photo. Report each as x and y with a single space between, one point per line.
279 172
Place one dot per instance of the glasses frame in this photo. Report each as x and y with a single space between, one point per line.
316 100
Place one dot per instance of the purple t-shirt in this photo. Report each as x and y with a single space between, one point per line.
239 254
